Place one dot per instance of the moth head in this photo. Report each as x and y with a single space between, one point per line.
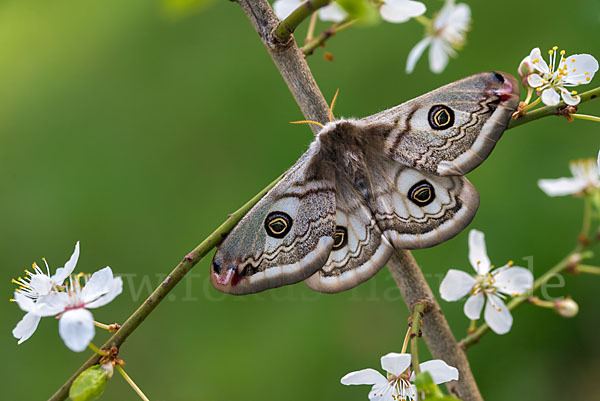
505 86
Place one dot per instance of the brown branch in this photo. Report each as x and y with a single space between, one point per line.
413 286
289 60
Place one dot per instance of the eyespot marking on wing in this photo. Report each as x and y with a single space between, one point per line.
340 238
440 117
422 193
278 224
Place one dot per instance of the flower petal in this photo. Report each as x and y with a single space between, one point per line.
538 61
397 11
440 371
395 363
333 12
26 327
455 285
25 303
283 8
76 328
365 376
569 98
478 253
41 284
438 55
383 392
457 23
580 69
497 315
99 284
550 97
474 305
443 17
534 80
415 54
525 67
63 272
513 280
116 287
562 186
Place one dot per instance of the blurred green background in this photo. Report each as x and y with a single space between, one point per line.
137 133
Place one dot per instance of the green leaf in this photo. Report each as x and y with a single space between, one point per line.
182 8
425 385
363 10
89 385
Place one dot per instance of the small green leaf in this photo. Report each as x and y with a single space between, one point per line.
425 385
362 10
89 385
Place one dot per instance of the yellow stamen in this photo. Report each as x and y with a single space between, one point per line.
306 122
333 104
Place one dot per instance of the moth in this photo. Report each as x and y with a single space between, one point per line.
367 187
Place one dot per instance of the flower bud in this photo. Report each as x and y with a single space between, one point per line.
525 70
108 369
90 384
566 307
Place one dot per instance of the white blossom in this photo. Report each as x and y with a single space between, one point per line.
76 323
395 11
398 11
36 285
551 80
397 386
447 34
586 176
493 285
332 12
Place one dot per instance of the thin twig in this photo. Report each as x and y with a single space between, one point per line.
551 110
310 47
132 383
285 29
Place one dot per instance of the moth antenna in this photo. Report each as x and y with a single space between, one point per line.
333 104
307 122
